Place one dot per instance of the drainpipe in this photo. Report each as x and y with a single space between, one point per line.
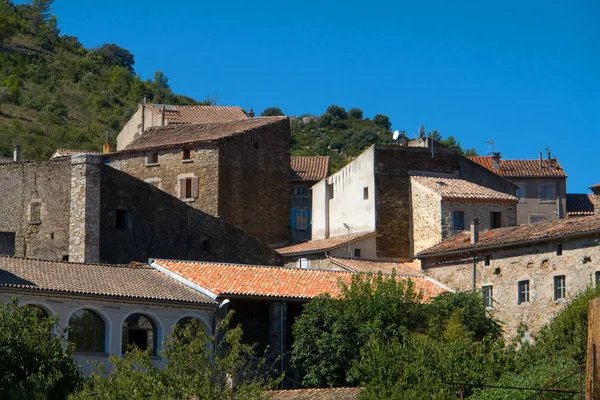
281 337
474 239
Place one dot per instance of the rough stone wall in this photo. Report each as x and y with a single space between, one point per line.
254 182
538 263
203 164
161 226
481 211
44 183
426 218
84 223
315 261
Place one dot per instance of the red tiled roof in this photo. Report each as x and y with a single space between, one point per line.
595 187
275 282
199 114
459 190
374 266
522 168
315 394
580 204
317 246
186 134
517 235
115 281
309 168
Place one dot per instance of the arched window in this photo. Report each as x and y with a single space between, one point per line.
41 311
139 331
87 330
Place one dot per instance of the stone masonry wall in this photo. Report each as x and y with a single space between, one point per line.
254 182
538 263
426 218
158 225
481 211
203 164
42 186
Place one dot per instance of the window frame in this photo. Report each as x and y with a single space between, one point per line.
560 287
495 219
461 219
540 190
357 253
93 328
366 193
487 292
523 296
303 263
125 333
300 190
152 159
521 193
186 155
302 220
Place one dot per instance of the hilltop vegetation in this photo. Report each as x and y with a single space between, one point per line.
55 93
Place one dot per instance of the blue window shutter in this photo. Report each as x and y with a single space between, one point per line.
293 218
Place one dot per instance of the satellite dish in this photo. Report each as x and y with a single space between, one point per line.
422 131
396 134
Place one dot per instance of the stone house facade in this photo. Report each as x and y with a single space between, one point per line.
373 193
238 171
111 297
541 186
526 273
306 171
79 209
149 115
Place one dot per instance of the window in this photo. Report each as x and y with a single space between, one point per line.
152 159
597 278
521 193
35 212
65 257
560 290
186 154
39 311
122 219
495 220
535 218
86 330
559 249
365 193
458 220
488 295
330 191
547 191
255 145
207 245
303 263
301 219
188 188
301 191
139 331
7 243
356 252
486 260
523 295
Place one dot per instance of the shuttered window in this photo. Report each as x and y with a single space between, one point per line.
188 188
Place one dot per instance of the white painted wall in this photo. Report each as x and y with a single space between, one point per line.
114 314
367 246
348 204
134 126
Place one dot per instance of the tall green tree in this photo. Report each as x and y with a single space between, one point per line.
272 112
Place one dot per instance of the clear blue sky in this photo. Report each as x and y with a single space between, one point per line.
525 74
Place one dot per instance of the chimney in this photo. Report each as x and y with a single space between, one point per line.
549 155
541 160
596 198
106 147
251 113
474 231
162 118
17 153
495 161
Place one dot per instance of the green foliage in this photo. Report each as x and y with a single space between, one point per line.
36 359
336 111
198 366
9 25
355 113
382 121
113 55
272 112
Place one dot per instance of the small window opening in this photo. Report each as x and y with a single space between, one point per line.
587 260
365 193
206 245
121 219
303 263
486 260
356 252
523 292
559 249
330 191
186 154
255 145
559 287
65 257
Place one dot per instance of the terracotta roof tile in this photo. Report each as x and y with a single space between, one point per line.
68 153
184 134
522 168
310 168
315 394
275 282
459 190
580 204
517 235
199 114
317 246
374 266
116 281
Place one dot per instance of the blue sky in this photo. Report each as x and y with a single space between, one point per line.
525 74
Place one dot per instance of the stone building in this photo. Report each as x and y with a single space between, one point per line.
526 273
373 194
149 115
238 171
107 307
266 299
306 171
79 209
541 183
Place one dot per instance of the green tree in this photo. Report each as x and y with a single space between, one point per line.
382 121
4 97
36 359
114 55
9 26
355 113
272 112
336 111
198 366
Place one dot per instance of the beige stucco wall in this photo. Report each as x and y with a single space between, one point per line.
533 205
133 127
537 263
203 164
367 246
348 205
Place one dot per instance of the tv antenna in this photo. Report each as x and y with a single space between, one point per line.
490 148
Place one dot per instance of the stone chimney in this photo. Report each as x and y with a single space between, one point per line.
17 153
474 231
541 160
496 161
596 198
251 113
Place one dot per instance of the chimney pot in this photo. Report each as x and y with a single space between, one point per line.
474 231
251 113
17 153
